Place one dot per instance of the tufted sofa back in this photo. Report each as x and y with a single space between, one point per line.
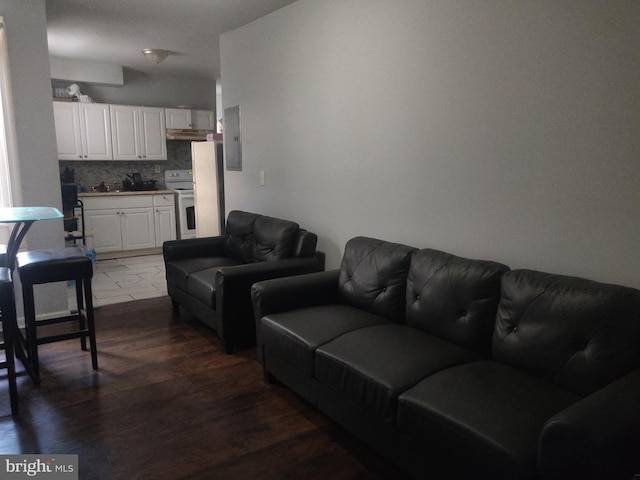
454 298
373 276
250 237
576 333
273 239
238 242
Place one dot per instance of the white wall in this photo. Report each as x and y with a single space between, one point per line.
494 129
39 183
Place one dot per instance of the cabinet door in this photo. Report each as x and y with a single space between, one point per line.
67 119
95 129
138 230
203 120
125 132
153 134
165 219
178 118
105 227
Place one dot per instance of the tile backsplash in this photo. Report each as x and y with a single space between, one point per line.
89 173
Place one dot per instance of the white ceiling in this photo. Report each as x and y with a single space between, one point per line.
116 31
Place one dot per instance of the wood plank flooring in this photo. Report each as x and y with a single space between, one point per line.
168 403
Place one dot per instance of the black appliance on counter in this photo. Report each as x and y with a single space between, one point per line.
134 183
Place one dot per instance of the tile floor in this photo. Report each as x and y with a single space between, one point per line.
124 279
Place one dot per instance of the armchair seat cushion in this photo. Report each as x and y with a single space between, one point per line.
372 366
295 335
178 271
490 411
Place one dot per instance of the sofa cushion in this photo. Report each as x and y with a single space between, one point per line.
454 298
295 335
239 235
372 366
273 238
490 412
373 276
576 333
201 284
178 271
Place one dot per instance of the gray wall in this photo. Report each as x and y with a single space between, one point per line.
37 156
495 129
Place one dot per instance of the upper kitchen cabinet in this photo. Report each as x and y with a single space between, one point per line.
178 118
203 120
185 119
83 131
138 133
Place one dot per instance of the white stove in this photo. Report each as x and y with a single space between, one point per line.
181 181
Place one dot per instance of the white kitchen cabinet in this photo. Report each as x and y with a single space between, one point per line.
104 226
138 133
120 222
138 228
203 120
83 131
179 118
164 218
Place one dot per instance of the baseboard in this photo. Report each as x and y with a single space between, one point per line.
128 253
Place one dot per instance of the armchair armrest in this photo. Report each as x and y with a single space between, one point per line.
597 437
193 248
233 291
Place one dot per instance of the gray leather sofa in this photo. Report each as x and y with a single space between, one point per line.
459 368
211 277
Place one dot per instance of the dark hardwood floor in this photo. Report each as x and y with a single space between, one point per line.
168 403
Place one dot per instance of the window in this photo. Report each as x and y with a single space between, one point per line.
7 133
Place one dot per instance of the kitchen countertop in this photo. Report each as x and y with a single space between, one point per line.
121 192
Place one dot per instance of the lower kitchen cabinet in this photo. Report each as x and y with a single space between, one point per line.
130 222
164 218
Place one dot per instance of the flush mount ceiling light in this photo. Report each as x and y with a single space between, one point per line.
156 55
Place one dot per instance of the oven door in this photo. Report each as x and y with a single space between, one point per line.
186 215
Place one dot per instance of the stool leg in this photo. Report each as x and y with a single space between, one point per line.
80 305
91 323
33 362
9 329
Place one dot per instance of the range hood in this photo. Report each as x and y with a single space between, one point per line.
191 135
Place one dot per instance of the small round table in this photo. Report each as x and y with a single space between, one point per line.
22 218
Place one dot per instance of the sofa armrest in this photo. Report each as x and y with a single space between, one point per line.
193 248
288 293
596 438
282 294
233 291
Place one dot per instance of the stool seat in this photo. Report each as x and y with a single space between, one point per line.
49 266
53 265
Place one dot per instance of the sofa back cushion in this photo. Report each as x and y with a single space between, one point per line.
273 239
454 298
239 235
576 333
373 276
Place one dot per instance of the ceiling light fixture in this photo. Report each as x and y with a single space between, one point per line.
156 55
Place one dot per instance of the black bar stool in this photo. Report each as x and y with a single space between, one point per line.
9 329
49 266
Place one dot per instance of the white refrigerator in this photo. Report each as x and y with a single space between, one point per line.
208 187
